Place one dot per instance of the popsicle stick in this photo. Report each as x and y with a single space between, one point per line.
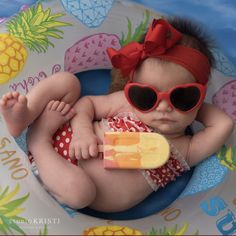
134 150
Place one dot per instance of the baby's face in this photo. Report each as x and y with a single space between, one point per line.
164 76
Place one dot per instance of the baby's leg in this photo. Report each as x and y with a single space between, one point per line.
117 189
19 111
68 183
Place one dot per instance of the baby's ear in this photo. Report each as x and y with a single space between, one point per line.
117 81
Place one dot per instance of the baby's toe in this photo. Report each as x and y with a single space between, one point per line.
60 106
65 109
55 105
49 105
15 94
70 114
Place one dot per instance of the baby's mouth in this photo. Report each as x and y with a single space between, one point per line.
166 120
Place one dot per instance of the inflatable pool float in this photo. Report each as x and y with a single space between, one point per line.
52 36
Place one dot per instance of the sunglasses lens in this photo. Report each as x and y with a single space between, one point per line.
185 99
142 98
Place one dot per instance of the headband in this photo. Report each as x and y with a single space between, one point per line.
161 42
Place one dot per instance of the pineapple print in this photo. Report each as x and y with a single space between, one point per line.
171 230
227 157
111 230
44 231
225 98
139 31
29 29
90 52
12 58
89 12
10 209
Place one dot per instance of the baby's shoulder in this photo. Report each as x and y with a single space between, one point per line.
118 102
118 98
118 94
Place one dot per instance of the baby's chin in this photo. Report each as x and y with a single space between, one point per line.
169 130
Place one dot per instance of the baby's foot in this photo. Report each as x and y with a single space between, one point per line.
13 107
53 117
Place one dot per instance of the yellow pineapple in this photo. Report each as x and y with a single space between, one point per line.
227 156
171 230
10 209
44 232
111 230
12 58
29 29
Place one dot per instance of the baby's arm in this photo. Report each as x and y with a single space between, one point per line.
218 127
84 142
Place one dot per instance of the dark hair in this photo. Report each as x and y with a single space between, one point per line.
194 36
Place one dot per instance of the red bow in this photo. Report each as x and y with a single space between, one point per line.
159 38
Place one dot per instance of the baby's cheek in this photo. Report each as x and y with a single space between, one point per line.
187 119
144 117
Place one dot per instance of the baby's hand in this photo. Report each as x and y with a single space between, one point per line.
83 146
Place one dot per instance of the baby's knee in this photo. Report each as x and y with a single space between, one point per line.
64 75
79 194
68 81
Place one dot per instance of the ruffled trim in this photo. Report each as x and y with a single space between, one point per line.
158 180
130 116
178 156
105 125
149 180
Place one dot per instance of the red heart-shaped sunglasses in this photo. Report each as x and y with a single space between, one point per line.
184 97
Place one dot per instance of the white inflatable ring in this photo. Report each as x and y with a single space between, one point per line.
74 39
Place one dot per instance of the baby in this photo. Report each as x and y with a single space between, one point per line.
167 79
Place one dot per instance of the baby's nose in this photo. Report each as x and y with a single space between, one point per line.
164 106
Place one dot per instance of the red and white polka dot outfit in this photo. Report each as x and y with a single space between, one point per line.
127 122
62 139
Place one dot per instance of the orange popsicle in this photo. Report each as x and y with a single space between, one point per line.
135 150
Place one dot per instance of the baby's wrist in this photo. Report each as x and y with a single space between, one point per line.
83 132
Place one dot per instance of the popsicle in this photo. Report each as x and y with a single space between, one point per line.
134 150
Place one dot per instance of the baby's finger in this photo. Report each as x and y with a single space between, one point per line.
85 153
78 153
71 152
72 157
93 150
